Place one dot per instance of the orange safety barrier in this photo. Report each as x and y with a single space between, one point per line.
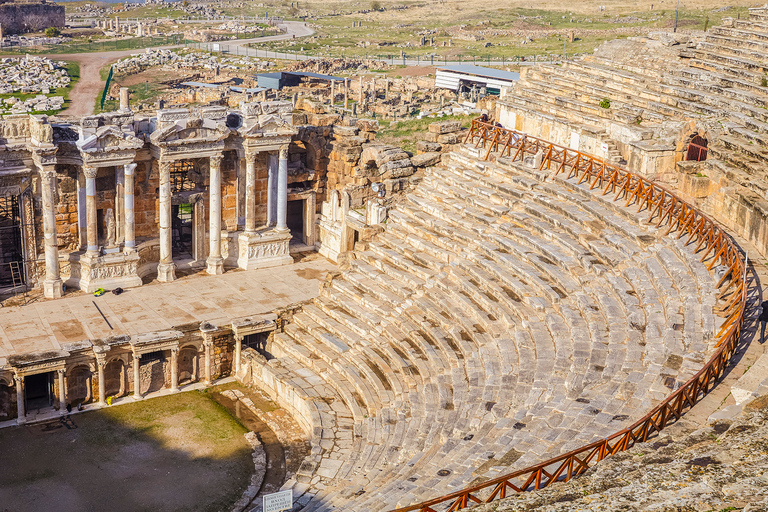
664 207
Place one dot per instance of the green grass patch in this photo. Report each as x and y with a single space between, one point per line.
407 132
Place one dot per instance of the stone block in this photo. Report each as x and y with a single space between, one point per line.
345 131
445 127
426 159
424 146
310 106
448 138
368 125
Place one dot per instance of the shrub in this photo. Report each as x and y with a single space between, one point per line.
605 103
52 32
764 82
375 5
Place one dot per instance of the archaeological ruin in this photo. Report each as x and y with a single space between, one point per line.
510 305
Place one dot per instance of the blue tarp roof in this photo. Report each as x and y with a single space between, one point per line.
469 69
232 88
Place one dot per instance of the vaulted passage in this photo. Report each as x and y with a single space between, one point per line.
697 149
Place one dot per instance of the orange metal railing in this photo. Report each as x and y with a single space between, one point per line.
665 209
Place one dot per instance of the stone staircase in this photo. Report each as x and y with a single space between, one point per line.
502 318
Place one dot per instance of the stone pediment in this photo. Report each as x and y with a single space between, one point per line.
109 138
269 125
193 130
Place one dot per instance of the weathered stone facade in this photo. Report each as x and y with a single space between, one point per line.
19 17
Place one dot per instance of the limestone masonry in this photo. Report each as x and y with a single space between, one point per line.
486 313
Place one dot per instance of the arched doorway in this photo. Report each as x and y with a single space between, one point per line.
188 364
79 385
697 149
114 378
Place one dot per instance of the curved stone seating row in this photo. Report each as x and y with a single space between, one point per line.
722 81
484 329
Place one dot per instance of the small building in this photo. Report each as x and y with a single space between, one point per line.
280 79
459 77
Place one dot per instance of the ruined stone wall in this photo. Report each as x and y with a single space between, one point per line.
66 208
19 17
229 191
147 181
222 356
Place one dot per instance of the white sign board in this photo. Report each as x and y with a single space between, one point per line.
278 501
604 147
216 47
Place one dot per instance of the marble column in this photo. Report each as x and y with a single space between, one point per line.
128 218
82 223
166 269
92 231
271 190
208 347
250 193
62 392
52 285
21 413
215 261
136 377
238 351
333 92
102 385
119 205
282 190
360 94
346 93
174 369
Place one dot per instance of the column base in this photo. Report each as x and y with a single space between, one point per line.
110 271
264 249
52 289
215 266
175 390
166 272
138 397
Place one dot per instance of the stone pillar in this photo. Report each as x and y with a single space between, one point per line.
282 190
62 393
136 377
82 223
238 351
215 261
346 93
333 92
125 105
386 89
119 205
128 217
271 190
52 284
92 235
208 348
20 412
174 369
360 94
166 268
101 363
250 193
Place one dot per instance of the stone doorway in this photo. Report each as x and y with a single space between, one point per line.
38 391
697 149
258 342
182 222
153 371
79 385
295 220
11 247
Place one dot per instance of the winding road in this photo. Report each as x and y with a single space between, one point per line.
86 90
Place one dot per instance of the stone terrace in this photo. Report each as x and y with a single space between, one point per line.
499 320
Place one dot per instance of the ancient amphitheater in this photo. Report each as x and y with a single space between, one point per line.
550 294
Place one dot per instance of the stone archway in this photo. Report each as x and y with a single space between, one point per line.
115 378
79 385
188 364
697 149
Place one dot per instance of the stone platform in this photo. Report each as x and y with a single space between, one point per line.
46 324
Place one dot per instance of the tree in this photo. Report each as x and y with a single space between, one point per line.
52 32
376 5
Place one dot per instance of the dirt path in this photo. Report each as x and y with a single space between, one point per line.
87 89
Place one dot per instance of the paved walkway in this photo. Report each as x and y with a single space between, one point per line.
46 325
